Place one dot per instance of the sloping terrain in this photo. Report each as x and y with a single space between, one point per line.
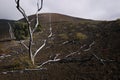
93 47
4 29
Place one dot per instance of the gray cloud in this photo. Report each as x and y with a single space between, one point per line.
90 9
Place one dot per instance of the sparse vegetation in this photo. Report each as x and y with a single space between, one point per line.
64 36
20 30
66 40
81 36
23 62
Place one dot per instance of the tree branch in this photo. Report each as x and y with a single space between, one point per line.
39 48
102 60
50 35
21 10
49 61
37 17
22 42
71 54
90 46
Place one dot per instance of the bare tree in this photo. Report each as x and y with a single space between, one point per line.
32 54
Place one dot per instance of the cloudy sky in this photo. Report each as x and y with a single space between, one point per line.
89 9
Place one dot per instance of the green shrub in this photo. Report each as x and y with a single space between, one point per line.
81 36
20 30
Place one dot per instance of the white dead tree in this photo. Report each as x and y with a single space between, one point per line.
32 54
50 26
11 31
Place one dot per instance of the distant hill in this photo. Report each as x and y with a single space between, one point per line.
44 19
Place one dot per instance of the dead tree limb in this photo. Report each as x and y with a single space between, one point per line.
40 48
39 7
65 60
90 46
102 60
22 42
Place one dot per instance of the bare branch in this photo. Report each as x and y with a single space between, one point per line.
90 46
65 60
22 42
40 48
37 23
37 17
82 46
40 6
71 54
22 71
65 42
102 60
21 10
50 35
56 56
49 61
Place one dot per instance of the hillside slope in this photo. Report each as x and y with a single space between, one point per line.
80 37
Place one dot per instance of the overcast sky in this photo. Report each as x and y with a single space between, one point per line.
90 9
